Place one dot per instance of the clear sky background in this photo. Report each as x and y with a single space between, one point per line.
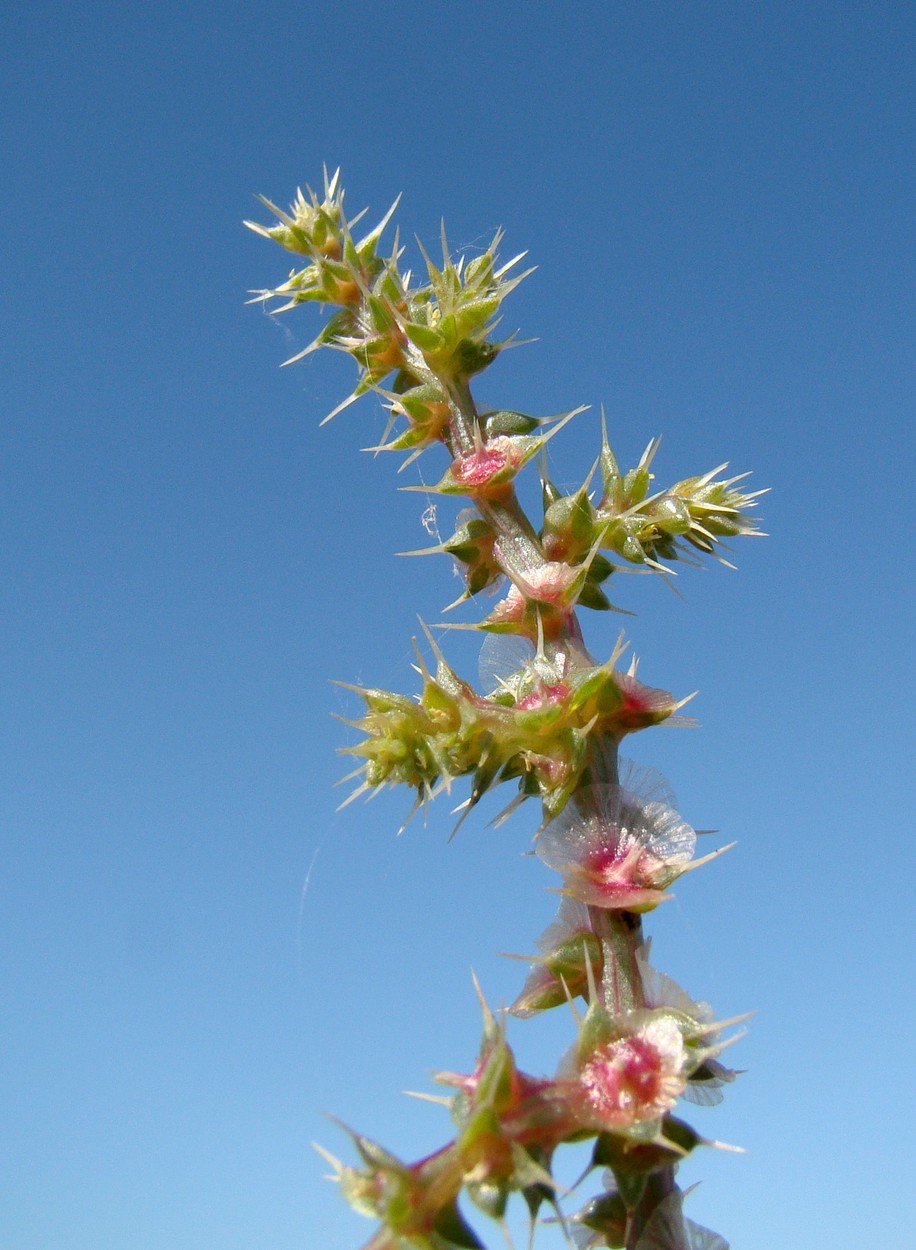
199 955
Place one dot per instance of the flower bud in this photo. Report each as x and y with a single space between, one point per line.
568 532
427 412
505 421
472 544
571 959
415 1203
508 1124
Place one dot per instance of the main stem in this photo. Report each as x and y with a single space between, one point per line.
620 932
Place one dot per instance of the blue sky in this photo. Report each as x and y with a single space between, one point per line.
200 956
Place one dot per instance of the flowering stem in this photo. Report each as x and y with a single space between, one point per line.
620 933
604 759
553 726
464 414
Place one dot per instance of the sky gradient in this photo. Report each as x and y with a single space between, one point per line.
200 955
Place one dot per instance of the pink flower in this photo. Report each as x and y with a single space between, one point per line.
617 849
543 696
642 705
635 1078
550 582
491 465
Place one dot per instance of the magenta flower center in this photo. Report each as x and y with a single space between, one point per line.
617 867
479 466
544 696
628 1080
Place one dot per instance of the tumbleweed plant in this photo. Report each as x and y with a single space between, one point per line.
552 730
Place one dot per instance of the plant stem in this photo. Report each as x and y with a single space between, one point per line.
620 932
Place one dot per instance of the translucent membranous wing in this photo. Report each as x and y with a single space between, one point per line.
660 990
504 660
570 919
615 816
668 1230
705 1086
646 783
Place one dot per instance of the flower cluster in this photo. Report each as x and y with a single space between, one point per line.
552 723
617 1087
627 1069
561 567
427 339
539 728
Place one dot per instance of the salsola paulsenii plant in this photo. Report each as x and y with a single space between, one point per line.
552 729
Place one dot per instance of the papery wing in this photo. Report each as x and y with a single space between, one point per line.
668 1230
666 835
705 1095
585 824
704 1238
571 918
705 1086
660 990
502 658
646 783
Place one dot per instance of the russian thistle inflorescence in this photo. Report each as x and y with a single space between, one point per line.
552 727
